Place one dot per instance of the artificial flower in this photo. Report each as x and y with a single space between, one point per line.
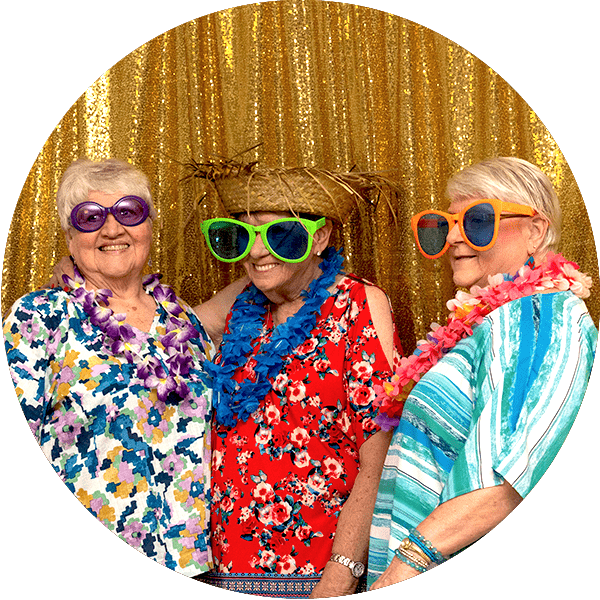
121 339
238 400
468 309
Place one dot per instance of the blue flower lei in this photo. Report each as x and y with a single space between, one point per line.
121 339
233 401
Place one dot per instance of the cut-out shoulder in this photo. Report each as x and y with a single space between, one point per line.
381 314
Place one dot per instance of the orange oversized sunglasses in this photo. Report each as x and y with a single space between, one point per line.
478 223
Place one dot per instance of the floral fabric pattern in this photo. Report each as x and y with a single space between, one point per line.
280 479
138 460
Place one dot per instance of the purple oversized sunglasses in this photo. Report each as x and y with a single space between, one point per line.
128 211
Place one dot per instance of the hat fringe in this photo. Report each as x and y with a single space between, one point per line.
248 187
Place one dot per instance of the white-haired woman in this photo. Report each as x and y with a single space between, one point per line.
498 387
109 373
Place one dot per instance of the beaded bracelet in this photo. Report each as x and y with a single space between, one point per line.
409 562
434 554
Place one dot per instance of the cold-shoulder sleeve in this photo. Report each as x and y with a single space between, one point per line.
365 363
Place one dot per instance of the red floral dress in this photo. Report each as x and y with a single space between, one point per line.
280 479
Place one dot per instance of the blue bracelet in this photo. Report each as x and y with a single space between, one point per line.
409 562
432 552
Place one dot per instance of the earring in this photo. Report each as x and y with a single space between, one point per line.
319 253
150 262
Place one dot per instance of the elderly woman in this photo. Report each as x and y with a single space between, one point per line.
109 373
296 453
498 387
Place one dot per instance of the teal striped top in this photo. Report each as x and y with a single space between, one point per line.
497 407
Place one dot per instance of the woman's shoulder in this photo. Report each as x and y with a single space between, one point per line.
41 311
356 285
44 301
192 317
560 306
358 290
561 314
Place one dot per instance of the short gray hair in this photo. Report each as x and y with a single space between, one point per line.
512 180
109 176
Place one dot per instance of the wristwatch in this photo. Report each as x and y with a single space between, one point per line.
356 568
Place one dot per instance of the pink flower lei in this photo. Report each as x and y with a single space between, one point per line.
121 339
467 310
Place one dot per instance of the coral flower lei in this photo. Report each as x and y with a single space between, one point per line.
466 311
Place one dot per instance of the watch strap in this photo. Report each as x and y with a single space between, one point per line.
356 568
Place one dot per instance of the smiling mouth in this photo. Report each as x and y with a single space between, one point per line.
113 248
263 268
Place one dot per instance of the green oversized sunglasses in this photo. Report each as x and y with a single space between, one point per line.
288 240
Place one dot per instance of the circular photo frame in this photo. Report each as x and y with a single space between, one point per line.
50 532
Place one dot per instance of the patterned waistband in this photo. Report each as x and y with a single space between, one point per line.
263 584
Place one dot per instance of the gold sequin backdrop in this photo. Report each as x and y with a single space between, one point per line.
316 83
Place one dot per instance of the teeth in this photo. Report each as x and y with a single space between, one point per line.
115 247
264 267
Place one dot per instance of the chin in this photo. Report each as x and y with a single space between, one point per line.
463 280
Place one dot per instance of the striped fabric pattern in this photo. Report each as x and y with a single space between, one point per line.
497 407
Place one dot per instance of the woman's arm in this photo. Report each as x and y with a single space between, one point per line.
354 523
34 336
457 523
352 533
213 313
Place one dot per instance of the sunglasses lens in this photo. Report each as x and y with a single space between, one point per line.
432 230
288 239
87 216
479 223
130 211
228 240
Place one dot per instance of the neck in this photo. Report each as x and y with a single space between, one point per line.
287 302
123 289
127 297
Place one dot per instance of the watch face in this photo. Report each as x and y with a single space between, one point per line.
358 569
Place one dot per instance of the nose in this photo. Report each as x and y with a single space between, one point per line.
258 249
454 236
111 227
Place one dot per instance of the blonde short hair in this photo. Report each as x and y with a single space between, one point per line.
512 180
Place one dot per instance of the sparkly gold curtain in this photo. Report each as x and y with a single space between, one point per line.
315 83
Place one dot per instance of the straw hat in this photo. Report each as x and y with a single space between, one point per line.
247 187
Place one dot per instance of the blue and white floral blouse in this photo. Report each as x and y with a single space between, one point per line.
140 465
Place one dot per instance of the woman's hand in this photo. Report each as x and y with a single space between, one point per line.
213 313
397 571
63 267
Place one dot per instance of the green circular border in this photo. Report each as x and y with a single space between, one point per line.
52 53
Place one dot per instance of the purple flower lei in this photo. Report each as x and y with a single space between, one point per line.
121 339
233 401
